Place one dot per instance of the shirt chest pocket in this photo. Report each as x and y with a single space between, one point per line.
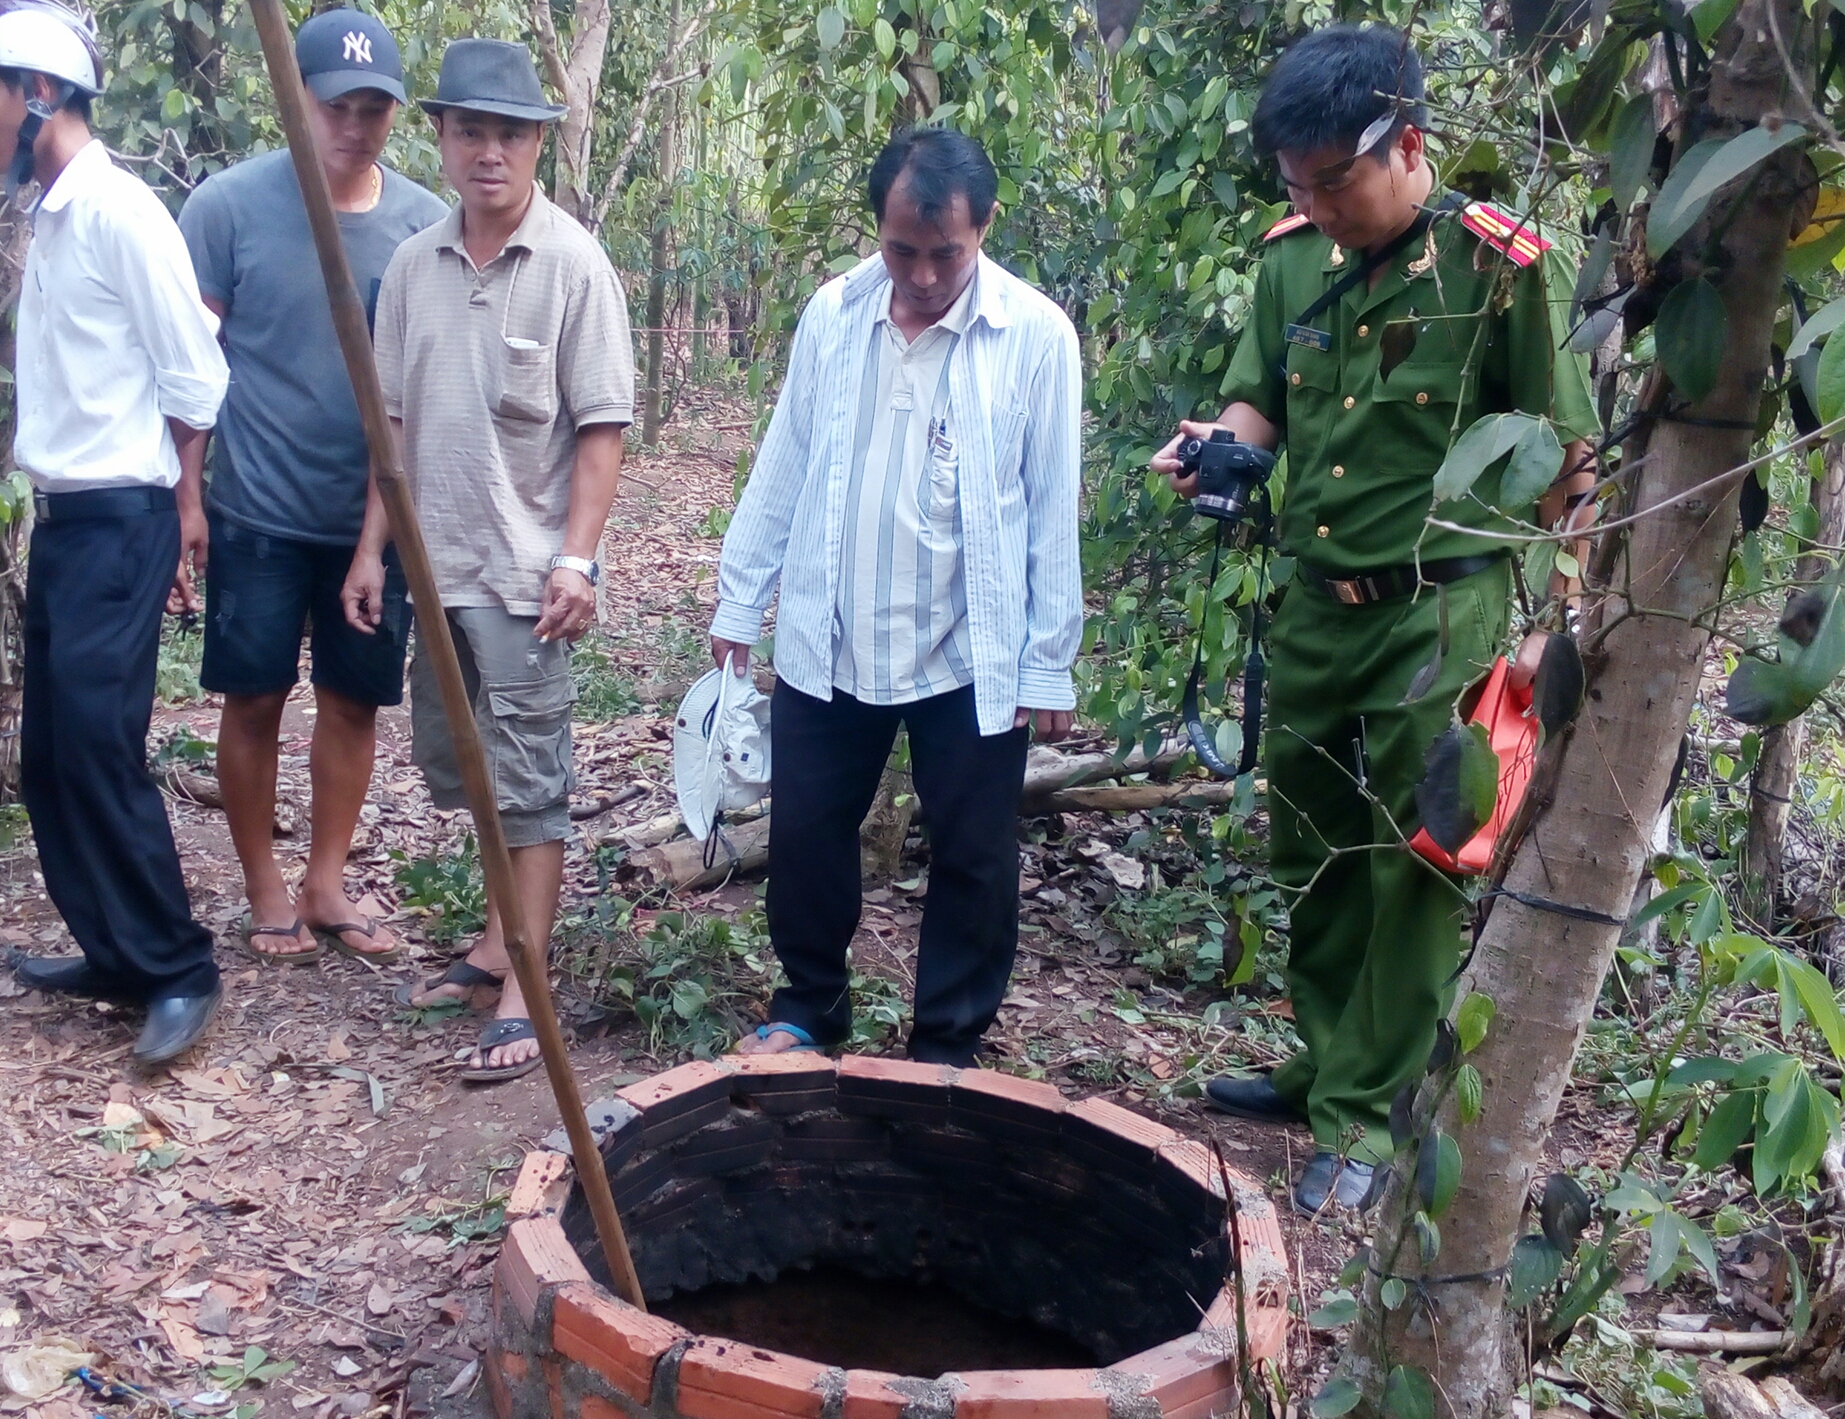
1008 441
941 484
528 381
1425 383
1311 372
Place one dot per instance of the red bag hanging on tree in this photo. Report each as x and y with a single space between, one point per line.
1512 730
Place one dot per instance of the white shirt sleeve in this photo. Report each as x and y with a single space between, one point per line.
155 281
1052 472
750 566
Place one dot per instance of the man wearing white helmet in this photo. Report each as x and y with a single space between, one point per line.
118 376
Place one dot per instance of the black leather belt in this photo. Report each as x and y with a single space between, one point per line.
1388 582
94 503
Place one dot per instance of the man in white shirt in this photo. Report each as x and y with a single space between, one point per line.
916 501
118 375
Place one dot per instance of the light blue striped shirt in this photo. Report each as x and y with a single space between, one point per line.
902 607
1015 380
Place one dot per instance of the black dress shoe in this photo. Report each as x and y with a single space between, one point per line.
174 1025
1251 1098
1328 1176
64 975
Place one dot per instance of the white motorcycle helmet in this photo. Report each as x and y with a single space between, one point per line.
48 39
720 751
44 38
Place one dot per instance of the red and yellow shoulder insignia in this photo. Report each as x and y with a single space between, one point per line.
1293 223
1507 235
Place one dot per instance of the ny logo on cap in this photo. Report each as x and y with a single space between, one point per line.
358 46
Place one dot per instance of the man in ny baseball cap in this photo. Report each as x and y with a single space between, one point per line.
343 50
288 487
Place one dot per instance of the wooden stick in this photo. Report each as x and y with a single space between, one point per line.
1716 1342
432 628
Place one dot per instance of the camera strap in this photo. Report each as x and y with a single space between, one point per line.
1255 669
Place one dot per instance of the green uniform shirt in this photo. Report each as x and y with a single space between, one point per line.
1490 337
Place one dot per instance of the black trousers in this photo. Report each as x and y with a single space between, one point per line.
828 757
95 592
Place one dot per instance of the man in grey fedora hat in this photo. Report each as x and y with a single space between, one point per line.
508 370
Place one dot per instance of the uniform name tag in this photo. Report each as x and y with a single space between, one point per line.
1306 335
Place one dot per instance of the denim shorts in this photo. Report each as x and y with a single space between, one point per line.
263 593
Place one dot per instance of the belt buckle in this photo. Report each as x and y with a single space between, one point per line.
41 507
1348 593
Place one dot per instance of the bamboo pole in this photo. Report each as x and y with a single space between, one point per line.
432 626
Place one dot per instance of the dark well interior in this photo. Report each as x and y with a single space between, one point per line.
1024 1216
901 1327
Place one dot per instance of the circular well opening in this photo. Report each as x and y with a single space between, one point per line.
949 1232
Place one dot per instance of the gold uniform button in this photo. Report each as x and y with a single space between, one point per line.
1363 331
1338 470
1422 396
1350 402
1323 530
1294 378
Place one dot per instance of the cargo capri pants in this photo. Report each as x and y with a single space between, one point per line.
522 693
1377 932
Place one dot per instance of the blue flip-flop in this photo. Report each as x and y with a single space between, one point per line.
803 1040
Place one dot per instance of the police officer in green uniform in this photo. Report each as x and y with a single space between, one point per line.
1456 311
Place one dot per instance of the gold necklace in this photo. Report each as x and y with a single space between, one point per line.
377 189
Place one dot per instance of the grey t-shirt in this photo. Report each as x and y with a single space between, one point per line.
290 457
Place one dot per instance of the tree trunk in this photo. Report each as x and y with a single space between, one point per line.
881 835
1771 786
701 318
656 287
1606 776
577 77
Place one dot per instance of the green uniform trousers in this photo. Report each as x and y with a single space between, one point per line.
1375 931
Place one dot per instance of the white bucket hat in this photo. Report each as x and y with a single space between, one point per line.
720 750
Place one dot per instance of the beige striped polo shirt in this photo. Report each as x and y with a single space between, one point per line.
493 371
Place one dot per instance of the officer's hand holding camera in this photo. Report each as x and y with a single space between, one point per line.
1181 463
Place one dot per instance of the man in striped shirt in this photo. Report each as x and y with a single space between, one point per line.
916 500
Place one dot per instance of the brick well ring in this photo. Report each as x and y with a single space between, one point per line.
1087 1218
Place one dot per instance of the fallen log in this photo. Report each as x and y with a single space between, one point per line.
1716 1342
1133 797
194 788
660 858
1789 1402
1728 1395
189 787
1049 770
649 834
602 802
667 827
679 866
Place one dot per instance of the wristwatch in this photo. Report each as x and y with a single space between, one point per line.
582 566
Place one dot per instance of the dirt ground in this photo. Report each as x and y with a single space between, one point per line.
314 1189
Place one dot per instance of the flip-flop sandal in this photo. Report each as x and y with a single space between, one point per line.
469 977
503 1032
248 929
804 1042
333 936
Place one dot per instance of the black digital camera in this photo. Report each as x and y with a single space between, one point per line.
1229 473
